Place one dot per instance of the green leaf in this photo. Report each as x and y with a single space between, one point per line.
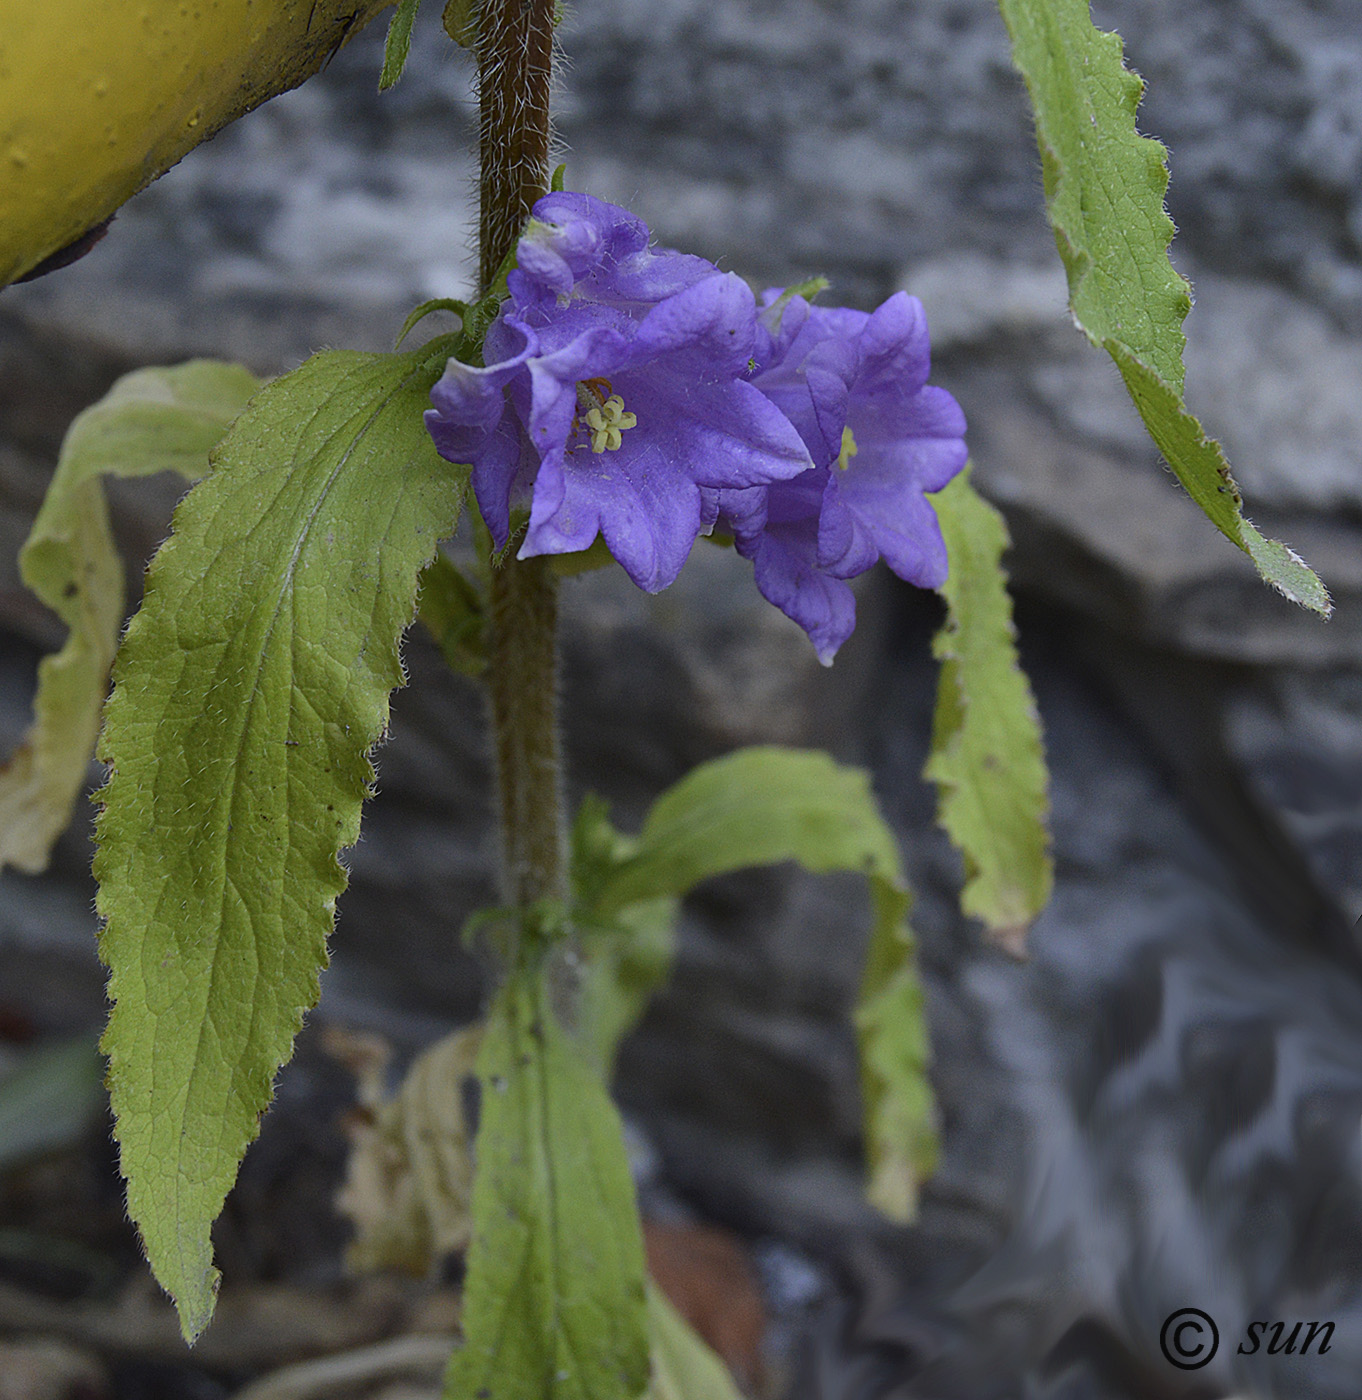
1208 480
988 759
623 964
626 953
1104 185
763 805
398 43
684 1367
152 420
452 610
891 1026
248 692
554 1301
461 22
809 288
418 314
757 806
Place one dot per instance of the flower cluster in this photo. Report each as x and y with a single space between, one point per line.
643 396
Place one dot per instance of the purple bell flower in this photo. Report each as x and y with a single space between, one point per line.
615 389
881 438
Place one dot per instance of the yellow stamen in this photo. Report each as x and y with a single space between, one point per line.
849 450
608 424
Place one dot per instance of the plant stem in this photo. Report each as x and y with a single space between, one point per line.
522 681
515 67
515 62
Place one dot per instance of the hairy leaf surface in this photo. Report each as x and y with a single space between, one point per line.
988 758
554 1298
248 692
398 43
152 420
763 805
1104 185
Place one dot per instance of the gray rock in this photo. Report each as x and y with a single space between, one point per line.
1299 738
1164 1103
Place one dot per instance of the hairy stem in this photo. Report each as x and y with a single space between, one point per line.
515 67
523 686
515 60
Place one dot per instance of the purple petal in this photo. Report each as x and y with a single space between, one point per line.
455 442
649 516
554 379
619 232
912 545
470 397
727 434
713 322
648 277
579 246
741 511
502 477
787 576
894 348
568 235
846 547
891 510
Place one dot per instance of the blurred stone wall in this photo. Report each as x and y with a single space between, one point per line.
1161 1109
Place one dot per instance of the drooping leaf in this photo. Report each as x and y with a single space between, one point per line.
1206 475
397 45
248 692
554 1299
1104 185
891 1026
152 420
757 806
684 1367
988 758
409 1178
763 805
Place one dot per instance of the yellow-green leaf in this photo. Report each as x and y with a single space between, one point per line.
1104 185
988 758
152 420
248 692
763 805
554 1299
684 1367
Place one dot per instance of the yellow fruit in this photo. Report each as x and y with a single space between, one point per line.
99 97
